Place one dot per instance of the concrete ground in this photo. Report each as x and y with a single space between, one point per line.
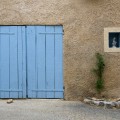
39 109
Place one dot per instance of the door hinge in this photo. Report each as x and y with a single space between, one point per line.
63 31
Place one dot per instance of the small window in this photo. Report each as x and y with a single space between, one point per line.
112 39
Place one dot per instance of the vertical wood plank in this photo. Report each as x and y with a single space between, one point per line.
50 61
58 62
20 51
5 56
14 80
41 61
24 56
36 63
21 62
31 61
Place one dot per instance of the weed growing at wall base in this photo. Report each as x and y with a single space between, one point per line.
99 70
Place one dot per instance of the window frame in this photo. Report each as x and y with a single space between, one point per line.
106 39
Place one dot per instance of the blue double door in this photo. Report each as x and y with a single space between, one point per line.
31 62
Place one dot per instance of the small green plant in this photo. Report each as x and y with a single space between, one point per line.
99 70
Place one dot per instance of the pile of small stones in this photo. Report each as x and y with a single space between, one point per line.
103 103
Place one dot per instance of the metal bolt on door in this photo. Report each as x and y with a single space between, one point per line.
31 62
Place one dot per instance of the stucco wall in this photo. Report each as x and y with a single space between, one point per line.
83 22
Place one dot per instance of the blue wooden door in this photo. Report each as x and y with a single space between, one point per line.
12 62
44 62
31 62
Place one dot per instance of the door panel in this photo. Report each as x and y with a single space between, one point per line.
44 62
12 61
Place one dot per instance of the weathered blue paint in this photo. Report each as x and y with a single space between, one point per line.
12 77
24 64
41 61
44 61
58 62
50 60
31 62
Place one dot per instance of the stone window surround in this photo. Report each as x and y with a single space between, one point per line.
106 39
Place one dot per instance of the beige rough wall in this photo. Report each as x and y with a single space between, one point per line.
83 22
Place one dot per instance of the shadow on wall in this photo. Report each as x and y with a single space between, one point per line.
88 1
93 1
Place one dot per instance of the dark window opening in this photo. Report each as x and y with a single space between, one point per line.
114 39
